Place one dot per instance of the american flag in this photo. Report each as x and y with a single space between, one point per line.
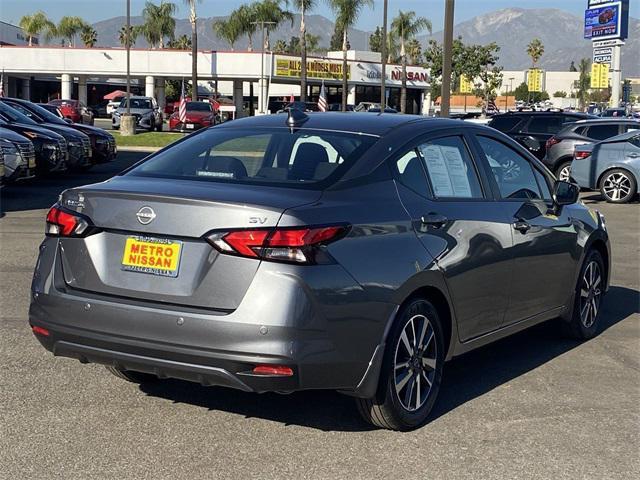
322 101
182 107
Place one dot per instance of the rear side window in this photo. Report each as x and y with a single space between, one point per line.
450 169
273 156
505 123
545 124
602 132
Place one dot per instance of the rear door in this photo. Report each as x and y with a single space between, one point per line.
468 234
540 129
545 242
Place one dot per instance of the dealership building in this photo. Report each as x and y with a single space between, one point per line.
251 79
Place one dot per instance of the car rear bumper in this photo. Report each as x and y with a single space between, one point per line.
285 319
583 174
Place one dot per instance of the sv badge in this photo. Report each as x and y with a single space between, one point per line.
260 220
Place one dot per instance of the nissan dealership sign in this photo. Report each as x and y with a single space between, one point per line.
372 73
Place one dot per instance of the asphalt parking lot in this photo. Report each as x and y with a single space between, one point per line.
531 406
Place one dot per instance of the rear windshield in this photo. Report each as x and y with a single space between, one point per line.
137 103
274 156
198 106
504 124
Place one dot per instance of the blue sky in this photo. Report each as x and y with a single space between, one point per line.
95 10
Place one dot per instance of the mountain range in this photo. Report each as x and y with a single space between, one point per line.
510 28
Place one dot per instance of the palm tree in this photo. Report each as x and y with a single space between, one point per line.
303 6
89 36
68 27
535 50
280 47
35 24
243 17
158 23
270 11
405 26
193 18
583 82
183 42
347 13
414 51
134 31
228 30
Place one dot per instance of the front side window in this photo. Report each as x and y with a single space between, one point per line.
273 156
505 123
513 173
544 124
450 168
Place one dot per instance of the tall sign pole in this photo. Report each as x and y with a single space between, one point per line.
383 53
445 98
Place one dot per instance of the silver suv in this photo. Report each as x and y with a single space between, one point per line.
560 147
146 111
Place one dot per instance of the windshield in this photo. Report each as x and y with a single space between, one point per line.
12 115
272 156
137 103
43 114
198 107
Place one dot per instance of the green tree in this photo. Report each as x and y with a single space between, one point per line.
243 17
36 24
193 20
535 50
347 13
584 82
414 51
280 46
134 31
183 42
375 40
303 6
270 11
405 27
295 45
572 67
228 30
560 94
89 36
158 23
68 28
521 93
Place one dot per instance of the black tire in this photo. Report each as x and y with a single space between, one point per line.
627 186
559 170
113 127
386 409
131 376
583 327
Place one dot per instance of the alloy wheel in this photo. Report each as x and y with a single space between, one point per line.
415 362
590 294
565 174
616 186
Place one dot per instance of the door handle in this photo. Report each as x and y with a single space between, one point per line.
521 226
633 155
433 219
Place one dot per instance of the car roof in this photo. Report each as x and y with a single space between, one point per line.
604 120
539 113
359 122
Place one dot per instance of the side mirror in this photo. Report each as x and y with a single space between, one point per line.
68 120
565 193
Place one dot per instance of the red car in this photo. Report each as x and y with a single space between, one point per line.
74 110
199 115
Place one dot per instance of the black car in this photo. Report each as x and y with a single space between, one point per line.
343 251
50 147
533 129
19 156
103 145
78 144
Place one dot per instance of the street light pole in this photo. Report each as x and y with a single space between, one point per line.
383 53
128 45
262 24
511 79
446 58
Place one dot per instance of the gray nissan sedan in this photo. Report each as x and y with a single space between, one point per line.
347 251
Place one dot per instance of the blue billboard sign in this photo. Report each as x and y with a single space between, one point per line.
606 20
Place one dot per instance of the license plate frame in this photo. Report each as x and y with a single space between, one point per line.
190 126
158 253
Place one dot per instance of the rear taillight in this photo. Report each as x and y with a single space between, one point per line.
581 154
297 245
551 142
61 223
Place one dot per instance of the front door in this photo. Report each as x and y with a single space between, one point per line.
467 233
545 245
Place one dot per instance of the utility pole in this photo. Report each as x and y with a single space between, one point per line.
383 54
446 58
511 79
128 56
262 24
616 77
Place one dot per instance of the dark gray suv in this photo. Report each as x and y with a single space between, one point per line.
560 147
347 251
